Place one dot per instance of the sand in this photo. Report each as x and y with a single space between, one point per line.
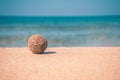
62 63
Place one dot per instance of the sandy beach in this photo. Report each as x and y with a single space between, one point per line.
62 63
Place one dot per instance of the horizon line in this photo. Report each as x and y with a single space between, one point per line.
56 15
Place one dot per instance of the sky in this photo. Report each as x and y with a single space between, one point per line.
59 7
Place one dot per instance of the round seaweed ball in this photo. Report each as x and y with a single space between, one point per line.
37 43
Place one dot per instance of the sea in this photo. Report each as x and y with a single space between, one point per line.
61 31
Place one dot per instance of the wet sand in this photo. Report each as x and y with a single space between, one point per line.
62 63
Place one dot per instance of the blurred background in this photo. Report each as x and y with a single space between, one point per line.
65 23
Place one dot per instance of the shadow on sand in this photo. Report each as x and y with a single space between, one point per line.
49 52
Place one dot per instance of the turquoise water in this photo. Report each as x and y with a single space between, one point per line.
61 31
